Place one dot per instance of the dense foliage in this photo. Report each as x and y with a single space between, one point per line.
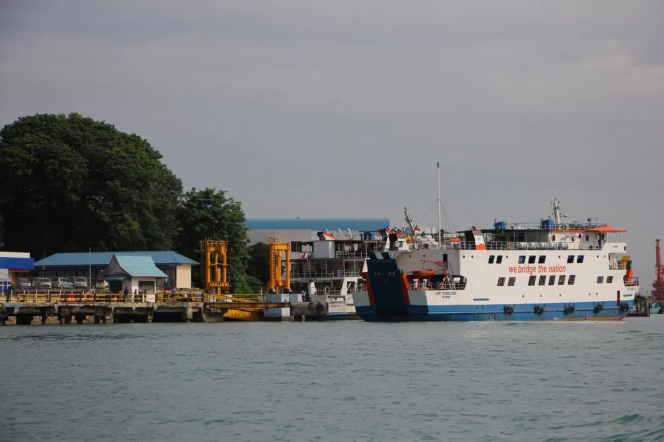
68 183
210 214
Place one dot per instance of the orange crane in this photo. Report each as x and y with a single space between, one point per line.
658 285
277 282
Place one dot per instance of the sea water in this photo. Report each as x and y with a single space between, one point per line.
334 381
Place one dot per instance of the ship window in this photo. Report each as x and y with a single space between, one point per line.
531 259
600 279
542 280
570 259
571 280
542 259
553 237
579 259
552 279
522 259
587 237
499 259
501 282
511 281
609 279
491 258
531 280
561 280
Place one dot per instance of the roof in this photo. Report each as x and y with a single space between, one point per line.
114 277
139 266
17 263
356 224
165 258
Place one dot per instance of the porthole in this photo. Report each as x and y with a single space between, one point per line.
523 296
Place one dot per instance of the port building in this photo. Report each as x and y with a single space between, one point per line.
13 264
133 273
299 231
175 266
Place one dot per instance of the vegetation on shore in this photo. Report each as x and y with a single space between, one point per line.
70 183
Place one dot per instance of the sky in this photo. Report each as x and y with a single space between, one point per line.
342 109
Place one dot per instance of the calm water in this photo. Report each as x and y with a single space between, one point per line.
334 381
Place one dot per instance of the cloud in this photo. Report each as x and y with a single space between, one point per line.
343 108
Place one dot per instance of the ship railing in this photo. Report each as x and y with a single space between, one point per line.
322 274
631 283
574 225
522 245
619 265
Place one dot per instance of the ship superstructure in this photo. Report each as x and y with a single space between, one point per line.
553 269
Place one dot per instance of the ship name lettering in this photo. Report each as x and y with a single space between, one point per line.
531 270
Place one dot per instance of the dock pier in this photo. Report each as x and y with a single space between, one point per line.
79 310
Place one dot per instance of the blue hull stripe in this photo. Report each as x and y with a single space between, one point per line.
494 312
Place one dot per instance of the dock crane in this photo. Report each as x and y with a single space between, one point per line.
279 248
215 269
658 285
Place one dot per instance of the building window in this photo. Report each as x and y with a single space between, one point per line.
531 259
522 259
542 259
609 279
531 280
561 280
501 282
491 258
542 280
579 259
600 279
552 279
511 281
499 259
570 259
571 280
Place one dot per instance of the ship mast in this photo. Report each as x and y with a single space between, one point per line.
438 170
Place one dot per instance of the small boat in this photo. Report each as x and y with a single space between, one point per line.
655 308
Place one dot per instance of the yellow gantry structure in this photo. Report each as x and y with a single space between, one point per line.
278 247
215 271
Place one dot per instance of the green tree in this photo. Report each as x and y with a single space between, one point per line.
68 183
210 214
258 267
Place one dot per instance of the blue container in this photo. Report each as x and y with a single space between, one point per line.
501 225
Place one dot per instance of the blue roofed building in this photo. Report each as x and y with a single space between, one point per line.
306 229
175 266
133 274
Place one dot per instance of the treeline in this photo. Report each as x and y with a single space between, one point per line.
69 183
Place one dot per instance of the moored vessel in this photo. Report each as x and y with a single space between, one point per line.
556 269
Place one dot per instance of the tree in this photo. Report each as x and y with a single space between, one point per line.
210 214
68 183
258 267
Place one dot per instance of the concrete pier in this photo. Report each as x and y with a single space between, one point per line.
148 312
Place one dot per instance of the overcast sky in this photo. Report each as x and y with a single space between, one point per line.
342 109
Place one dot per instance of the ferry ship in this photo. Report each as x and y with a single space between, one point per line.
551 270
